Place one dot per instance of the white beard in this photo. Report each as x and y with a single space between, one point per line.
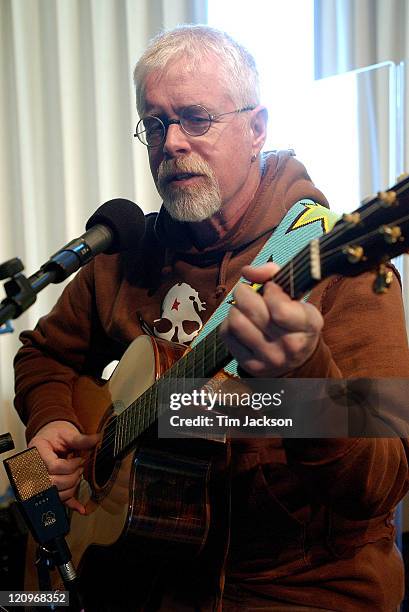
189 203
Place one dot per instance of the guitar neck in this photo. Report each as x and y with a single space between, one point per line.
203 361
371 235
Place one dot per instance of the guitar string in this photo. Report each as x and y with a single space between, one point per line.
297 270
203 355
338 232
106 446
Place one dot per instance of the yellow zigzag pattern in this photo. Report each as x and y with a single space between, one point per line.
312 213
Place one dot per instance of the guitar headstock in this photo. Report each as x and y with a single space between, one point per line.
369 237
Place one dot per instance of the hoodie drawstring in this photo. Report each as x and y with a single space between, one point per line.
221 281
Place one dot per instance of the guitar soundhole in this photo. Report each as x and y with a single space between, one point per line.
104 459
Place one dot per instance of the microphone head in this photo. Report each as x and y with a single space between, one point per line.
27 473
126 221
36 495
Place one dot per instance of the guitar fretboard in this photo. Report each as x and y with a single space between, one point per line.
357 242
203 361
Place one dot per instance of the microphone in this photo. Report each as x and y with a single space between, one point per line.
115 226
44 515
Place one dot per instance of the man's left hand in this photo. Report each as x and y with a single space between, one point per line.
270 335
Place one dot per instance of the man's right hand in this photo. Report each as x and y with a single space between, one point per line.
59 444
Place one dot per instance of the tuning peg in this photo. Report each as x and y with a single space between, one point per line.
392 234
388 198
354 253
383 279
352 217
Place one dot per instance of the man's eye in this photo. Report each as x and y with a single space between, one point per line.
197 119
151 127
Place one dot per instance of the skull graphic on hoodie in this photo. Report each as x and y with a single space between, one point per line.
180 320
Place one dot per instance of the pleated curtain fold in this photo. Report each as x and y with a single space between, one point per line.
67 118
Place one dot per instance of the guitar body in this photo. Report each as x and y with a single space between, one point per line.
154 500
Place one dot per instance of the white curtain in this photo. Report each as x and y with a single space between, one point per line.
353 34
67 117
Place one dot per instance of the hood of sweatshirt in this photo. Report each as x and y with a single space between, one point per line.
284 181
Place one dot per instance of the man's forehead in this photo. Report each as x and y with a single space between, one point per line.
181 83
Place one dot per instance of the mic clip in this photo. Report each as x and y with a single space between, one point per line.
45 564
19 290
57 555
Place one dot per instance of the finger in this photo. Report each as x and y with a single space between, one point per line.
242 335
58 466
64 483
246 358
68 493
53 443
260 274
255 325
252 306
291 315
84 441
75 505
54 463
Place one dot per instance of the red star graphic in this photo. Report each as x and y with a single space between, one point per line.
176 305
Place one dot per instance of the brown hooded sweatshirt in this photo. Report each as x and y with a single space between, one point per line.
311 519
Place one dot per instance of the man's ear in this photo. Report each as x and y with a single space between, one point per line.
258 126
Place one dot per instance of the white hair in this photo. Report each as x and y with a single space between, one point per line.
195 42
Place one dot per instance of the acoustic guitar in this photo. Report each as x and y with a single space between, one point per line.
155 495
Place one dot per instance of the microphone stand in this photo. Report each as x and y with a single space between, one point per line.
58 556
8 269
21 291
13 266
21 294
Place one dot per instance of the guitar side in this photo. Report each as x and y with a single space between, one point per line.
135 502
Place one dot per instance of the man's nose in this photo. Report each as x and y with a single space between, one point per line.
176 141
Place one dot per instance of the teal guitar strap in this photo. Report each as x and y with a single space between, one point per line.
304 221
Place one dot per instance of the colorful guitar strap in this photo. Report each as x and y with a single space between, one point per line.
304 221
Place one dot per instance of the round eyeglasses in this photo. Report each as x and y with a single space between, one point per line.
194 120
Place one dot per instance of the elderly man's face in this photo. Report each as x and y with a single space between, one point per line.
197 175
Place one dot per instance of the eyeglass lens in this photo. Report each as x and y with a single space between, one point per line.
195 121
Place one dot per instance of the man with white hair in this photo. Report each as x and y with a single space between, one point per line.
310 522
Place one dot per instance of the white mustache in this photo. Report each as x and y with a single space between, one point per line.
191 164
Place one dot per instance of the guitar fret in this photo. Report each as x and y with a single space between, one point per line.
151 408
121 428
140 417
138 413
194 363
182 370
205 361
133 420
124 419
214 352
129 428
116 436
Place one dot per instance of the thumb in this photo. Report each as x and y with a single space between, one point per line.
260 274
84 441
